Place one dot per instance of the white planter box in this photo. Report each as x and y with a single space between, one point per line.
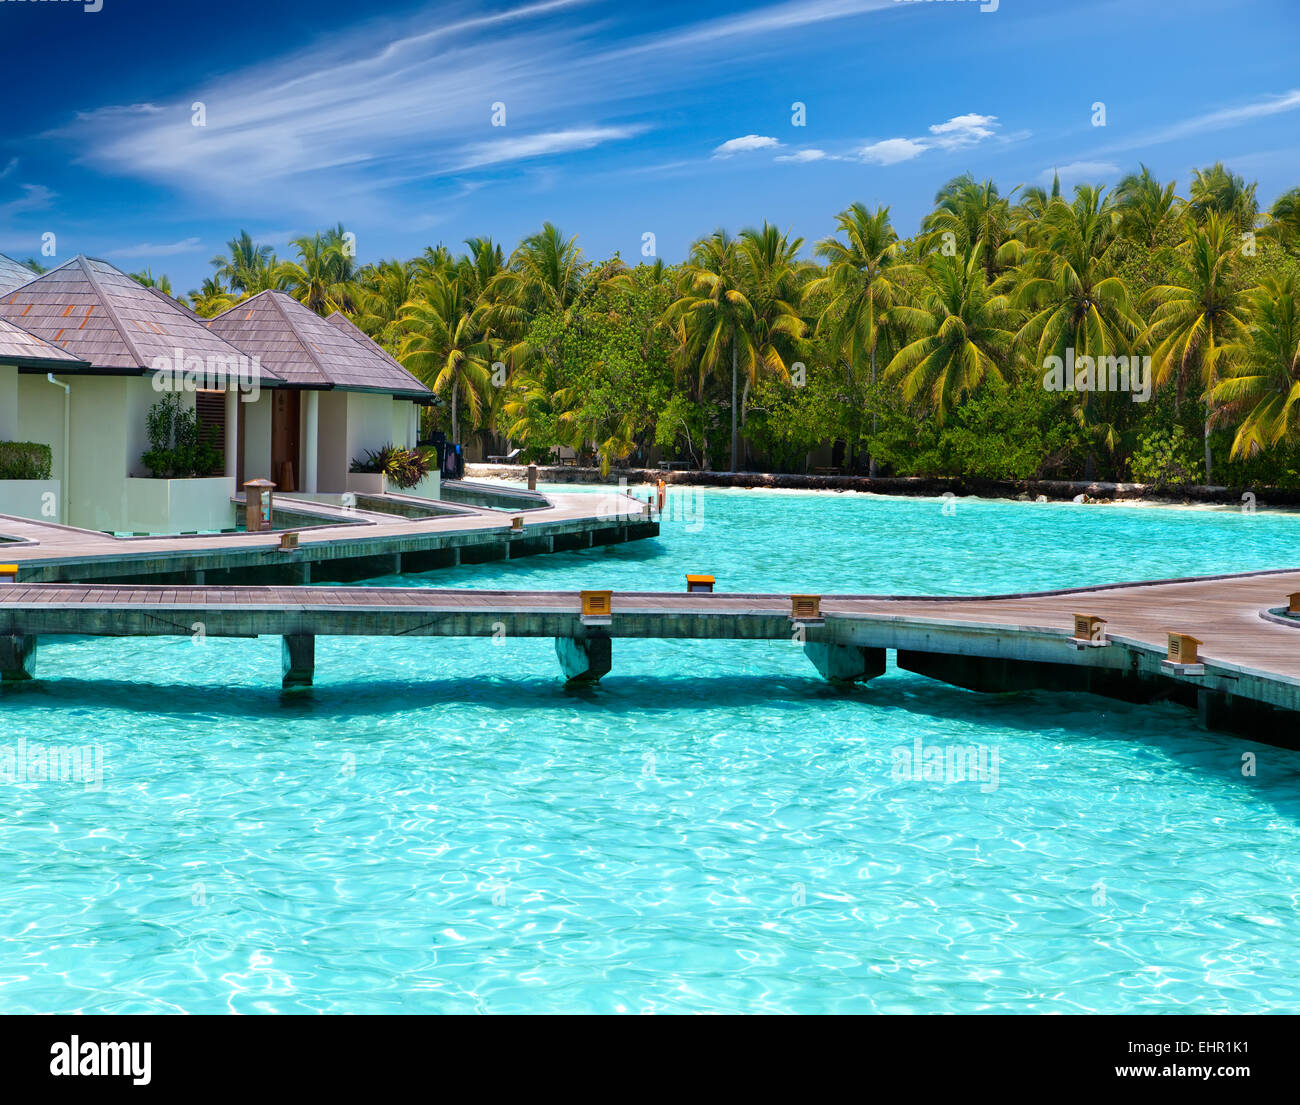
367 483
179 506
428 488
36 499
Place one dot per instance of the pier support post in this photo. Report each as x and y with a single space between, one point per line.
17 658
845 663
585 659
298 660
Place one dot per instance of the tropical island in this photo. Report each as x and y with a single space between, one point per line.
913 356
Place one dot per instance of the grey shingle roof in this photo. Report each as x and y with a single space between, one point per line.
18 347
102 316
12 274
309 352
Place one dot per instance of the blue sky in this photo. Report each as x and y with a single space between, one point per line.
620 119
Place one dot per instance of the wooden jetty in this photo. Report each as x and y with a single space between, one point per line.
1221 645
334 544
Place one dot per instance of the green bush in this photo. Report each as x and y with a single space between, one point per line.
25 460
1165 458
176 448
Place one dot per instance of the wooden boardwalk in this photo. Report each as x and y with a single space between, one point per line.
363 544
1248 672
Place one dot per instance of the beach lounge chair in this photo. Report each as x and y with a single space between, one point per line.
507 458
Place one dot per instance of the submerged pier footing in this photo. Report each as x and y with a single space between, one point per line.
17 658
298 659
583 659
845 663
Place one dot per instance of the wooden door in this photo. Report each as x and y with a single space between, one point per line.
285 439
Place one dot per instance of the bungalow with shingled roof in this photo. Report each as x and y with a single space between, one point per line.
341 397
123 348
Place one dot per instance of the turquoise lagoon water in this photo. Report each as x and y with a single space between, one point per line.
440 826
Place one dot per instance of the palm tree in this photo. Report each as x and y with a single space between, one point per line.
1263 387
1283 219
162 283
1070 290
962 334
717 315
1198 319
1074 298
381 291
1146 208
444 344
212 299
860 288
979 218
246 263
1035 202
317 278
773 276
1217 191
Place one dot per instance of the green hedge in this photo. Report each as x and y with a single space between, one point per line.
25 460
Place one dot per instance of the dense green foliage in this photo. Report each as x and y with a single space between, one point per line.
25 460
920 356
177 448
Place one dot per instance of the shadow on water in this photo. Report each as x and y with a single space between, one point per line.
1162 731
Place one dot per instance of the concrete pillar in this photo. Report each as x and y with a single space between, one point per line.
298 660
583 660
17 658
232 430
845 663
311 447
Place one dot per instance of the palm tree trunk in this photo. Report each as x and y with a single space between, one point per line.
1207 446
455 427
871 459
734 440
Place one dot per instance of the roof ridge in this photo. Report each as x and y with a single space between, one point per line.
110 310
312 355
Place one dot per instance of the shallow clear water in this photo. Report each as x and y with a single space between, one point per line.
440 826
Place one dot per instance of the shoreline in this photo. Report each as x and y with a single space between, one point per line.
1096 492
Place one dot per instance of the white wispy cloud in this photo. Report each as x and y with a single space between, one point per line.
409 99
35 197
1080 170
963 130
522 147
9 168
892 150
957 133
170 249
802 156
745 144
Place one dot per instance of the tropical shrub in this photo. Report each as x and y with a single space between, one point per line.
25 460
1165 458
177 448
405 468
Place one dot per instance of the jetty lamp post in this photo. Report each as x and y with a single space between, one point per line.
699 584
258 506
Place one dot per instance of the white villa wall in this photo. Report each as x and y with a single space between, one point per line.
8 403
40 417
370 422
257 437
332 457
